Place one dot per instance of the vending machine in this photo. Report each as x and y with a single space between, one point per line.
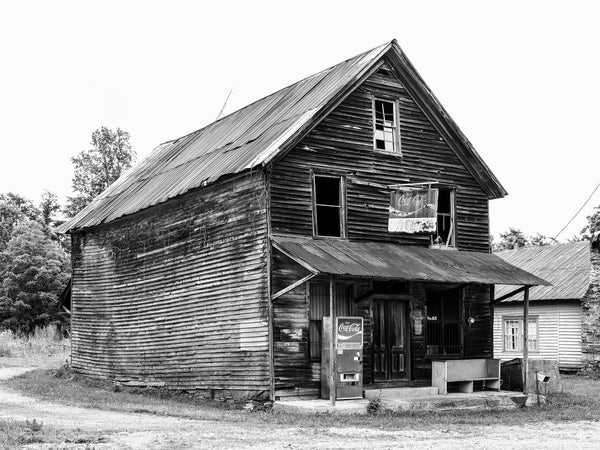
348 354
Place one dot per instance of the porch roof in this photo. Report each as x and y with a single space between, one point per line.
410 263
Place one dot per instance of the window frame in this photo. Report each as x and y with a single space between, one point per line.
452 215
342 207
396 128
530 341
444 323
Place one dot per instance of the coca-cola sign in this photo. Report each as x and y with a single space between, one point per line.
349 331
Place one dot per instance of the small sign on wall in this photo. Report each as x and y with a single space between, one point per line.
413 211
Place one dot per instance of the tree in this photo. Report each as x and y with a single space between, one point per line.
33 273
14 209
48 207
98 167
541 240
593 224
511 239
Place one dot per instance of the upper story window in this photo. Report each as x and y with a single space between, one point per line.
329 218
385 122
446 228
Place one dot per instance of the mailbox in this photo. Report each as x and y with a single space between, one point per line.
348 344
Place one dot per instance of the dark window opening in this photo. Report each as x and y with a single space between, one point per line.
385 72
445 218
385 126
319 307
328 206
444 328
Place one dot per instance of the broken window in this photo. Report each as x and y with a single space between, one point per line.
386 126
444 329
513 334
445 229
319 307
328 211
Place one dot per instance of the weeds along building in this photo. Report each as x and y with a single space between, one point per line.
211 264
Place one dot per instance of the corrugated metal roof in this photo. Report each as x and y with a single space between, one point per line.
253 136
566 266
240 141
381 260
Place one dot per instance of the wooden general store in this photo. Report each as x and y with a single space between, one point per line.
212 263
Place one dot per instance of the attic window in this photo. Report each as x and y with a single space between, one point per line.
328 206
385 123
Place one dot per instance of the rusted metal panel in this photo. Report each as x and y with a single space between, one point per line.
233 144
382 260
257 133
566 266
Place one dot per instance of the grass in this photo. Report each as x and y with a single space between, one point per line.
44 348
580 400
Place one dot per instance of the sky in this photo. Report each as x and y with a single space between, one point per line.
520 78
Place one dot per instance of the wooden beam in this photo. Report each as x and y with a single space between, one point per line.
292 286
510 294
332 348
525 337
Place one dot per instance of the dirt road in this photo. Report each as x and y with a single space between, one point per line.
146 431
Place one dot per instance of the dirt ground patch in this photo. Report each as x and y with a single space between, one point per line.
87 428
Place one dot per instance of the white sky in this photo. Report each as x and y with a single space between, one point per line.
521 79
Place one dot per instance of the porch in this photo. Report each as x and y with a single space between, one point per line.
409 399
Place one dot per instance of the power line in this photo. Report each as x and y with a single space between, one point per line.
578 211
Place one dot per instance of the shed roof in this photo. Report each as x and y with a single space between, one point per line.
410 263
256 134
566 266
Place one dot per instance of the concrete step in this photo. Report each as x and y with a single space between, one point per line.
453 402
401 393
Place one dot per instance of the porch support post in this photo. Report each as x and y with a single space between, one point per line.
333 343
525 337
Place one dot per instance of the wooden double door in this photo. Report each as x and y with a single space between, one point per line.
390 340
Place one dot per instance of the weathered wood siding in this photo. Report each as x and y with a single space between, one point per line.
343 142
295 374
177 294
559 331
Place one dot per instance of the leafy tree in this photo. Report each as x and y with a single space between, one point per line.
14 209
33 272
48 208
511 239
541 240
593 224
98 167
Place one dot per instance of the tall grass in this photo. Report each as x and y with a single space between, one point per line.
43 342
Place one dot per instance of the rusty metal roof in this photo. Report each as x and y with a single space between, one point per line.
391 261
566 266
253 136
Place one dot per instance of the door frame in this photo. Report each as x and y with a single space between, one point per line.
405 300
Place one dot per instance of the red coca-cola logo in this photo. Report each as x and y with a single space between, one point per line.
349 327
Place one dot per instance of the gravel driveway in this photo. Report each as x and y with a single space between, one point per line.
146 431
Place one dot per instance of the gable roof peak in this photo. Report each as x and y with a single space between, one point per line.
255 134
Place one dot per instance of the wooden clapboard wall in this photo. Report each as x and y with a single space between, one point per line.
343 143
177 295
296 374
559 331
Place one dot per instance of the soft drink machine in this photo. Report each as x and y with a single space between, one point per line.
348 344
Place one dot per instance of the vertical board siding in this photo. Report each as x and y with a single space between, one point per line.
559 331
176 295
343 142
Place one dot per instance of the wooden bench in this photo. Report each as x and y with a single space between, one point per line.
465 372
